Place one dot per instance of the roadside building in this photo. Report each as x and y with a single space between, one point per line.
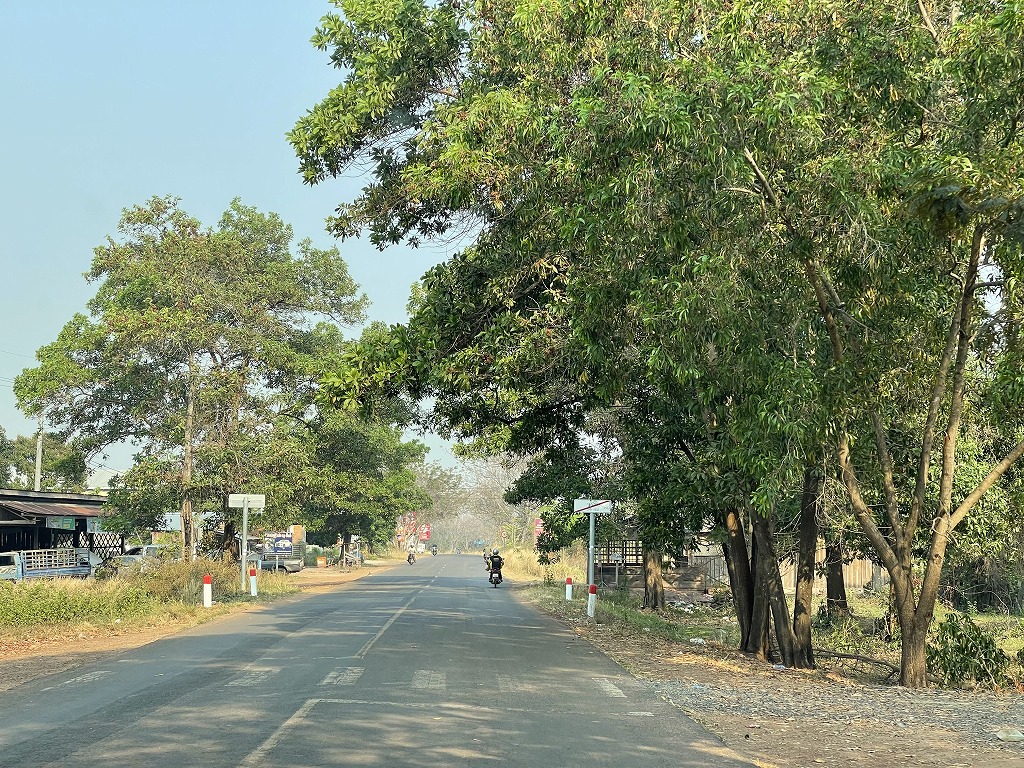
55 520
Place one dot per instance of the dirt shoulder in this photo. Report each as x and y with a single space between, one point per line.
780 718
28 654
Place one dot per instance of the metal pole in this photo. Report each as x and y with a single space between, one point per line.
590 560
39 454
245 537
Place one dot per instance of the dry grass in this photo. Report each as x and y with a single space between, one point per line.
521 565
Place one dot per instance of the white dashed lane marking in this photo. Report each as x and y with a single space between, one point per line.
86 678
254 676
609 688
425 679
343 676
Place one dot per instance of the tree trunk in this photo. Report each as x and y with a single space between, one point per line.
187 523
757 638
763 534
229 544
654 584
835 584
737 560
913 657
807 552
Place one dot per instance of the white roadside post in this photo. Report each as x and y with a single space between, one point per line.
568 588
207 591
592 600
246 501
252 582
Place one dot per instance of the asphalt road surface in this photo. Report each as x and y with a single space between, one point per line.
415 667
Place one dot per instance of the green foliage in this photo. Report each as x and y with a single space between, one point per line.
203 346
961 652
63 466
745 227
58 601
159 590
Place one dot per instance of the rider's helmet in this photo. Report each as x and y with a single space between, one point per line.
494 551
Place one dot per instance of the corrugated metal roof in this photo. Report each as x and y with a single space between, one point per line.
50 509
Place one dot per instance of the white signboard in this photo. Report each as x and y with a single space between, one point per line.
251 500
592 506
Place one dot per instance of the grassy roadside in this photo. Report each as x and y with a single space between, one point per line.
55 616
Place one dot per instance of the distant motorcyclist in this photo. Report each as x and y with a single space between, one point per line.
433 549
494 563
411 557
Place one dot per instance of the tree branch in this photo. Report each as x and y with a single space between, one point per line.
885 458
927 18
938 390
997 471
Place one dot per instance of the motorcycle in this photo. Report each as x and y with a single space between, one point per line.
411 558
495 578
433 550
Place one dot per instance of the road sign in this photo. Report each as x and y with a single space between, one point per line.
504 535
250 500
592 506
246 501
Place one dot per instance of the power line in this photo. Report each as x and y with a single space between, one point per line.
17 354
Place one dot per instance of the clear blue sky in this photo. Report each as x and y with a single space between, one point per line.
108 103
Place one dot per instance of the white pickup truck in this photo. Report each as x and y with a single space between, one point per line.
45 563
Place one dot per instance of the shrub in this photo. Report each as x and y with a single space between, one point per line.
64 601
960 652
183 581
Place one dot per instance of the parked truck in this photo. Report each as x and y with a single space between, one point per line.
45 563
279 553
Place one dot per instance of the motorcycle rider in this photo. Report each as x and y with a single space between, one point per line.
411 556
433 549
494 563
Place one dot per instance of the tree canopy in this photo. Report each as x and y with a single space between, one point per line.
203 348
765 231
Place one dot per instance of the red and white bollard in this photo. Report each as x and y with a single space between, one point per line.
568 588
207 591
252 582
592 600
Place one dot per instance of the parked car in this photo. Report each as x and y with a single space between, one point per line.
139 554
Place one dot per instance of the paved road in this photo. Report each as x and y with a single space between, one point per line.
419 666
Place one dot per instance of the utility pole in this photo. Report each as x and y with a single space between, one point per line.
39 454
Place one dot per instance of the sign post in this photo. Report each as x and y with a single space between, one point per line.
592 507
246 501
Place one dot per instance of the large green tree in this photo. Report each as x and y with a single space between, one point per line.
197 338
789 218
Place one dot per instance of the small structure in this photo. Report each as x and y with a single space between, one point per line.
55 520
